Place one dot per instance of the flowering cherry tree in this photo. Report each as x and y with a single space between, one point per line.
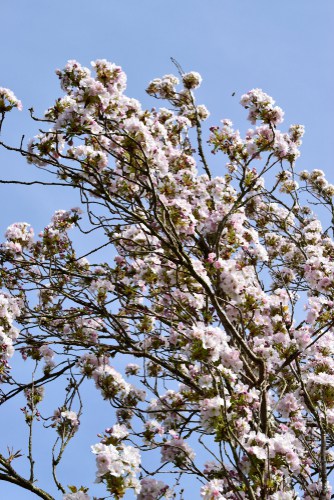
218 289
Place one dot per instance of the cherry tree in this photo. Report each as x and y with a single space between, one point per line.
218 289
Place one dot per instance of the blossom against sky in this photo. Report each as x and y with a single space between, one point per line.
283 47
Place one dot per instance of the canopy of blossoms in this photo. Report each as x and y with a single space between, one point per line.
219 287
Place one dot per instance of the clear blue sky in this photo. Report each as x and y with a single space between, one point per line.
284 47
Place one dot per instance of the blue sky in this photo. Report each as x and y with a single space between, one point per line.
284 47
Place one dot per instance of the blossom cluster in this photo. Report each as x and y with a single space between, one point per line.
10 309
8 101
117 464
19 236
